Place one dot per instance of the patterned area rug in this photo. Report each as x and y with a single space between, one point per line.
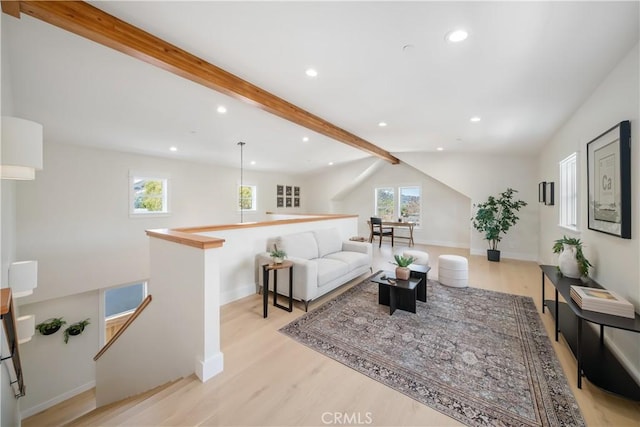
478 356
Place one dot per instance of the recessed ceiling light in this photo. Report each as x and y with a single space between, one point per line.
305 139
222 109
330 163
456 36
382 124
440 149
173 148
253 162
475 119
311 72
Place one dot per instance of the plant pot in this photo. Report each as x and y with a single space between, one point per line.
277 260
403 273
51 330
76 330
567 262
493 255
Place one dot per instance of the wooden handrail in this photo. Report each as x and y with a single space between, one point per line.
129 321
9 322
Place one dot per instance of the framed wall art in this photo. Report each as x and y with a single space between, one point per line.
288 202
549 194
609 181
280 190
296 202
542 191
280 202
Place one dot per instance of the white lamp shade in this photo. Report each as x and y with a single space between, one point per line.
23 278
21 148
26 328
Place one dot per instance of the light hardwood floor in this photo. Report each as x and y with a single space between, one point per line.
271 380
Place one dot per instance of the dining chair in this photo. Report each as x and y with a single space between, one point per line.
378 230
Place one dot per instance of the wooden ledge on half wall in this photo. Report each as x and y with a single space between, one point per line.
190 235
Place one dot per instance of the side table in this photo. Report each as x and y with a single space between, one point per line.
266 268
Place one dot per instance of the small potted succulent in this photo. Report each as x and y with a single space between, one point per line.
75 329
402 270
50 326
278 255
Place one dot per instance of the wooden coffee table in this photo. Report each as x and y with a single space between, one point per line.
398 294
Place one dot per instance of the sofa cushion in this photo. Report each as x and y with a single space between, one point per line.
300 245
328 241
330 269
353 259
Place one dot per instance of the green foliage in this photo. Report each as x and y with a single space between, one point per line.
385 204
496 216
403 261
246 197
277 253
75 329
50 326
151 198
583 263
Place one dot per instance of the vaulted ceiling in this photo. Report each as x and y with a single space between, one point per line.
524 69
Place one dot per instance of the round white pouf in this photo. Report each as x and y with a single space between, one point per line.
453 270
419 257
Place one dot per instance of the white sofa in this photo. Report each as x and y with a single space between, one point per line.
322 261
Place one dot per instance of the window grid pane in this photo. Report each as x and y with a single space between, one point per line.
569 192
410 204
149 195
385 203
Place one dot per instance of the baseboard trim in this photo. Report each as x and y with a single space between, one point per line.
633 370
58 399
237 293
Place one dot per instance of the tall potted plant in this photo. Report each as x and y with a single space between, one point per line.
495 217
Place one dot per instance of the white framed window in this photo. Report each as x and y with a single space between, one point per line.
409 204
118 303
247 197
384 203
148 195
568 192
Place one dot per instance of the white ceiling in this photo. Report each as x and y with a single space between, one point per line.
525 68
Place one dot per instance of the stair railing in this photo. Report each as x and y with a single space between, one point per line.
124 327
9 323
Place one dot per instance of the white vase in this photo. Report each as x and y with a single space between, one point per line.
567 262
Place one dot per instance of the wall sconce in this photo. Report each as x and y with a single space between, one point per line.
21 148
23 278
542 191
26 328
549 194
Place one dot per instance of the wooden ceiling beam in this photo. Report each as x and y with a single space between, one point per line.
87 21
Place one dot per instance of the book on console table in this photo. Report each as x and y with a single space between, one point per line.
602 301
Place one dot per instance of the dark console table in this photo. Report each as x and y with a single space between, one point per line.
593 358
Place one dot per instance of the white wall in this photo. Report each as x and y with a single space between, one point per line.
478 176
55 371
74 220
445 212
74 217
9 406
451 184
615 260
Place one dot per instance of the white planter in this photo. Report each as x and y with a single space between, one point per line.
567 262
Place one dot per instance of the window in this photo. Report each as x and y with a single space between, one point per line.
247 197
149 195
569 192
119 304
407 206
384 203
